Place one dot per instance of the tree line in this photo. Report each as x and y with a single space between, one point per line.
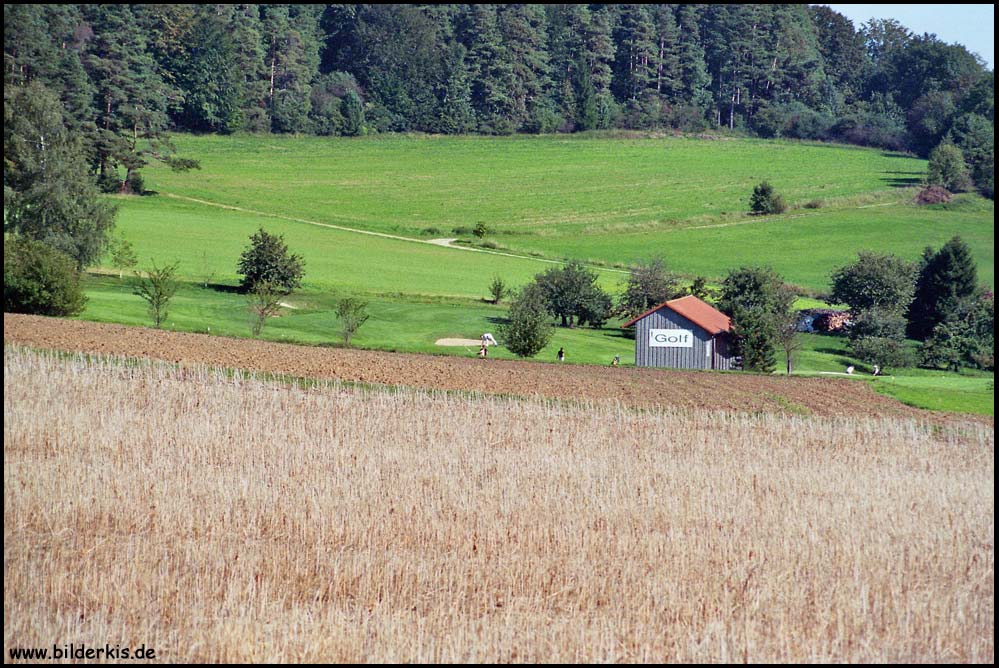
126 74
936 301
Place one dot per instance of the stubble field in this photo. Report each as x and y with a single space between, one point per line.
217 517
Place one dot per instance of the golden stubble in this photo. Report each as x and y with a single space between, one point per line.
219 517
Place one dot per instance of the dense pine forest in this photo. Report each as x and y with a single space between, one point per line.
127 74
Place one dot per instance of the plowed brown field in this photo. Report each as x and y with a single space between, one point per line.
628 386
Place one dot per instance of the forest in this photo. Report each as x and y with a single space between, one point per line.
126 75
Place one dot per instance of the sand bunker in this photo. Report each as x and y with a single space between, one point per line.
458 342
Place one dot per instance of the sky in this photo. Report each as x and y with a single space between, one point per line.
970 25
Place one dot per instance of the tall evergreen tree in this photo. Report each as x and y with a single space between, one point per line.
491 72
291 35
246 32
211 79
522 29
946 279
130 95
49 194
669 70
635 66
696 80
847 63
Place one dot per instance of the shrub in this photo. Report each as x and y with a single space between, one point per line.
480 230
933 195
135 183
39 279
878 337
947 169
766 201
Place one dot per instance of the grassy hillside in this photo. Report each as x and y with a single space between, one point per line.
207 241
804 246
605 200
527 184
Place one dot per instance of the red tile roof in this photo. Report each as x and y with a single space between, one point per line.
693 309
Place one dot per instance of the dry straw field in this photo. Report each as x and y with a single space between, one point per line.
225 518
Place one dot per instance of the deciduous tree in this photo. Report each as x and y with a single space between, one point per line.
267 260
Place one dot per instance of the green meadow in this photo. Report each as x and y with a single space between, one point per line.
607 200
523 184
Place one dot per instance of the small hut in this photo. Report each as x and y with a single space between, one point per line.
684 333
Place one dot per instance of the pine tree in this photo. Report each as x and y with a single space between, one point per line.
211 79
49 194
130 95
454 95
946 279
528 328
696 80
491 73
669 71
291 33
246 31
522 29
635 67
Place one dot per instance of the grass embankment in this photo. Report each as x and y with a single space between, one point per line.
223 519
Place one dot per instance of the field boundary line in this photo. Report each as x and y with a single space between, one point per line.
383 235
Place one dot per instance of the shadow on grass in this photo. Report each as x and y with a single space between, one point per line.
903 182
222 287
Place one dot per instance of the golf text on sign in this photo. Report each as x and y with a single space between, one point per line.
671 338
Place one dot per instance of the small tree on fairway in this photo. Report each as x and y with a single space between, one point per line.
498 289
267 260
766 201
788 337
528 329
571 291
264 302
352 313
122 255
205 269
480 230
158 287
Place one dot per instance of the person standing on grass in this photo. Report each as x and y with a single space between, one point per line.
561 354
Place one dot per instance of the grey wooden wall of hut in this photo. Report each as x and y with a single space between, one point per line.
707 352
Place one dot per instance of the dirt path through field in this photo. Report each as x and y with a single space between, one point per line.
628 386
